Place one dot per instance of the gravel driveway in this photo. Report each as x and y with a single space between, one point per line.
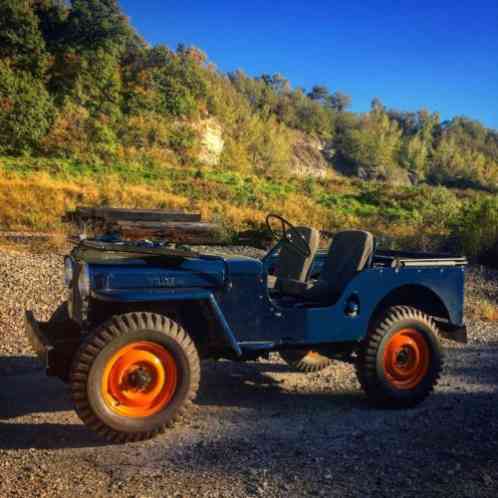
259 429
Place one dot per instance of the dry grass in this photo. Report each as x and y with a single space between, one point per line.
37 201
485 310
481 293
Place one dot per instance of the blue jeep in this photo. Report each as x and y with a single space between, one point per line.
140 316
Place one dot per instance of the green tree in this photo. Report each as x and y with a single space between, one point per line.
97 23
26 110
477 228
21 40
276 82
339 101
414 156
91 79
374 144
417 148
166 83
377 105
52 16
320 93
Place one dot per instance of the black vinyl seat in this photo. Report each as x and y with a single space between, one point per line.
349 253
293 267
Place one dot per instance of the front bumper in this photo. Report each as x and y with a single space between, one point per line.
53 342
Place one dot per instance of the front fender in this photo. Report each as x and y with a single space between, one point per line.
173 295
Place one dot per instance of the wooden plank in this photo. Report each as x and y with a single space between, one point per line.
137 249
122 214
175 232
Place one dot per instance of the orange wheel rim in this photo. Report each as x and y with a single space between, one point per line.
406 359
139 380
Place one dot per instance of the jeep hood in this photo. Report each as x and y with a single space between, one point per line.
151 273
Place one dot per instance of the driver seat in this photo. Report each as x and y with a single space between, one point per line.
350 252
293 267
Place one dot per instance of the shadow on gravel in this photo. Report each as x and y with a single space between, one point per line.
47 437
25 390
28 392
480 364
449 447
18 365
247 385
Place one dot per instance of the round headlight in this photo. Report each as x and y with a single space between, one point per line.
68 271
84 281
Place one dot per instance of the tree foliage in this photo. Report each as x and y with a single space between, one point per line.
374 143
21 40
25 110
97 24
77 80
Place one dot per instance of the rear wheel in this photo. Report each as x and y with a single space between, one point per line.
135 376
400 361
305 360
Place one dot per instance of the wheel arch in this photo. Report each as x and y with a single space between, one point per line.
415 296
201 318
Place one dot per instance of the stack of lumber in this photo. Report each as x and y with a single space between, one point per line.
140 224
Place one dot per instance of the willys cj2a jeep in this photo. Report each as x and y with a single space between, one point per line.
140 316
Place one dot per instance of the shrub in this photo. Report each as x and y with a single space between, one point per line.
183 141
477 229
374 144
21 40
68 135
26 110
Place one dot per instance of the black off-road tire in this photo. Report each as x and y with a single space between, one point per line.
306 361
371 367
90 362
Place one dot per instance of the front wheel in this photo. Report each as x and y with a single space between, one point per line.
400 361
134 377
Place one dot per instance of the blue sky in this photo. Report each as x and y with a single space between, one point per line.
438 54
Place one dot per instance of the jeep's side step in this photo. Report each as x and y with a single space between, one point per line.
257 346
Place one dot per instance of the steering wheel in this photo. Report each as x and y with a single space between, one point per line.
290 235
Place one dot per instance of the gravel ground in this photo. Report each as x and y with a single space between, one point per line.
259 429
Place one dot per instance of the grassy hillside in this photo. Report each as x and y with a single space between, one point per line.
34 193
90 114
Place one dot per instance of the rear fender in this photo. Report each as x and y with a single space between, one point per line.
426 300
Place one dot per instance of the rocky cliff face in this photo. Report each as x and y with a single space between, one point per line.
310 155
211 141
